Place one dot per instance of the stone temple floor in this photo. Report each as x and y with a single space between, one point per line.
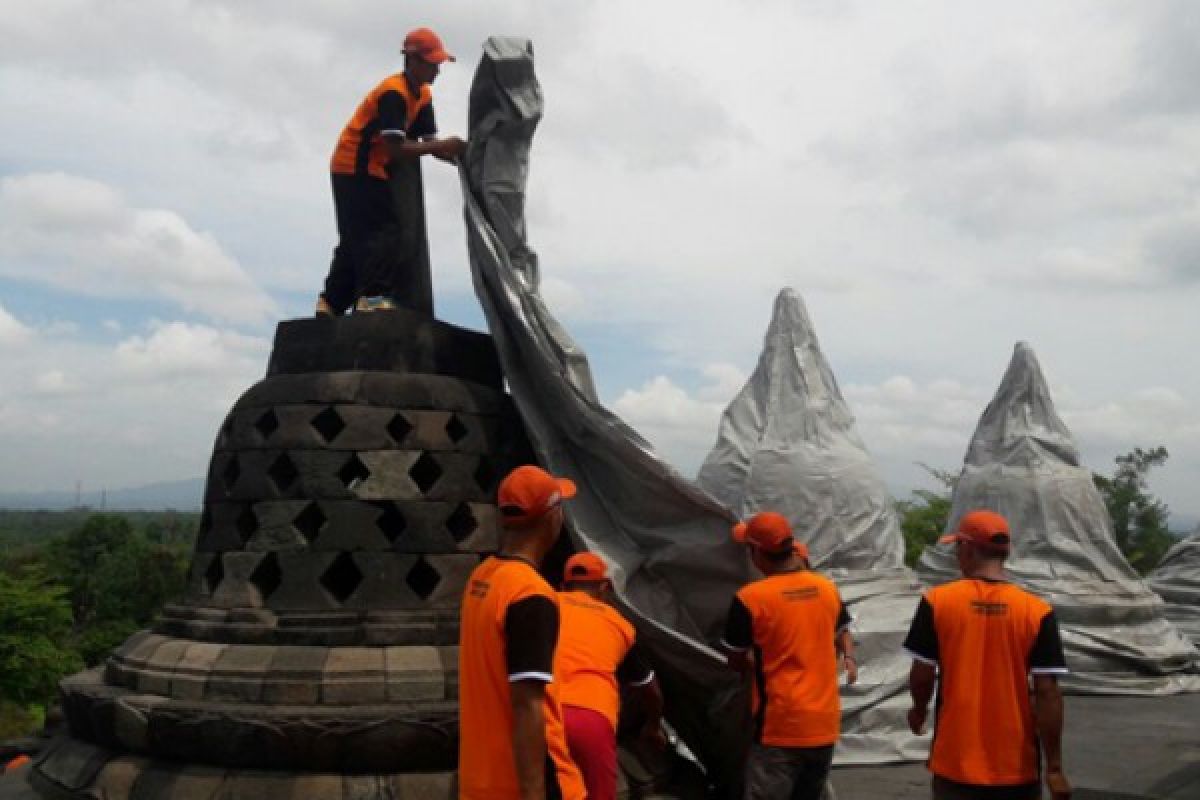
1117 748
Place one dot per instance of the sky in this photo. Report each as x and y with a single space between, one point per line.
939 180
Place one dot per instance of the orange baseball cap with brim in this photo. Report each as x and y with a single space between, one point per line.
528 492
767 530
982 528
428 45
585 567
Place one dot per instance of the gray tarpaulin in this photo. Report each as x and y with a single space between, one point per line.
788 443
1177 582
1023 463
675 568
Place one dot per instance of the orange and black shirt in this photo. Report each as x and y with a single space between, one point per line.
791 621
986 638
509 632
597 647
389 110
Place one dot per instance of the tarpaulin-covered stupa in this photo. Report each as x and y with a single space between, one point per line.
788 443
1177 582
1023 463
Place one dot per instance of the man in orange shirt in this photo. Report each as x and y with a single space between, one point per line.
790 628
512 745
984 637
394 122
596 649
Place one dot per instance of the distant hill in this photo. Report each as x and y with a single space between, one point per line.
185 495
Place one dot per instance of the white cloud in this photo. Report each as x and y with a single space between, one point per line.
12 331
79 235
175 349
119 415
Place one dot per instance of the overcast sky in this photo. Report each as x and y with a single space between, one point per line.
937 179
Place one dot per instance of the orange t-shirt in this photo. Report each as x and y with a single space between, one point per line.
791 620
985 637
594 644
388 110
507 596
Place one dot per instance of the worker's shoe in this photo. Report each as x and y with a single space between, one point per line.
323 307
377 302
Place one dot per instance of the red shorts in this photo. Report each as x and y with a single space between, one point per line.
593 745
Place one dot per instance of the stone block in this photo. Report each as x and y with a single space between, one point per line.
449 659
118 777
414 673
178 782
294 677
238 673
155 676
424 786
192 672
130 724
354 676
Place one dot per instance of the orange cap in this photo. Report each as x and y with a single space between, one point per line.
800 549
16 763
528 492
428 45
586 567
766 530
982 528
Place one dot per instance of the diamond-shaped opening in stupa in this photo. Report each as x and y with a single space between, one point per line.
310 521
423 579
267 423
342 578
461 523
283 472
391 522
425 472
399 428
267 576
328 424
353 472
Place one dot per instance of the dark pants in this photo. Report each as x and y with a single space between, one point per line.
363 206
787 773
944 789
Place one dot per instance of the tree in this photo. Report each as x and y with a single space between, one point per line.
924 519
35 624
74 560
1139 518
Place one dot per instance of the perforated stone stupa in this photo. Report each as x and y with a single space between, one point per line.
1023 463
788 443
349 496
1177 582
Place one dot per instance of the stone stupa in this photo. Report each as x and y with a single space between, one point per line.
1023 463
788 443
349 496
1177 581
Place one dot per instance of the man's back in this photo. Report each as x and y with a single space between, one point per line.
500 592
794 618
593 642
986 637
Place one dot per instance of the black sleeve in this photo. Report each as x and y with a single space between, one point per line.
739 626
633 669
843 619
531 634
1047 657
424 125
393 115
922 642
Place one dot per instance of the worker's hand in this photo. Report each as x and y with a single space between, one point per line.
1056 782
916 719
450 149
652 737
851 670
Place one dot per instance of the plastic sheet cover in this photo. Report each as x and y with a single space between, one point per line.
1177 582
788 443
1023 463
675 568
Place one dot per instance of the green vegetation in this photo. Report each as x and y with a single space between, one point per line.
73 585
1139 518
